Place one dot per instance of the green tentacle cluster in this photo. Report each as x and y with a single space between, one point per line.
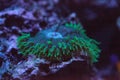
76 26
59 43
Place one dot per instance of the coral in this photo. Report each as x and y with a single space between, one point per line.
59 42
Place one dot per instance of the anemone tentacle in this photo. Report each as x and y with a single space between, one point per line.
59 41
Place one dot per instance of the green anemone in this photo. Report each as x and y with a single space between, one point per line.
59 43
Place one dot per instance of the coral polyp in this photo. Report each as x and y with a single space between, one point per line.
59 42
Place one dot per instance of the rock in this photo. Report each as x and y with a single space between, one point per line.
4 45
2 20
26 69
118 22
106 3
4 64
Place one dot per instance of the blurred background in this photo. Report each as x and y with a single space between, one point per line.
100 19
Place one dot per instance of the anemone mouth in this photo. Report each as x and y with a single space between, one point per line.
59 43
54 35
